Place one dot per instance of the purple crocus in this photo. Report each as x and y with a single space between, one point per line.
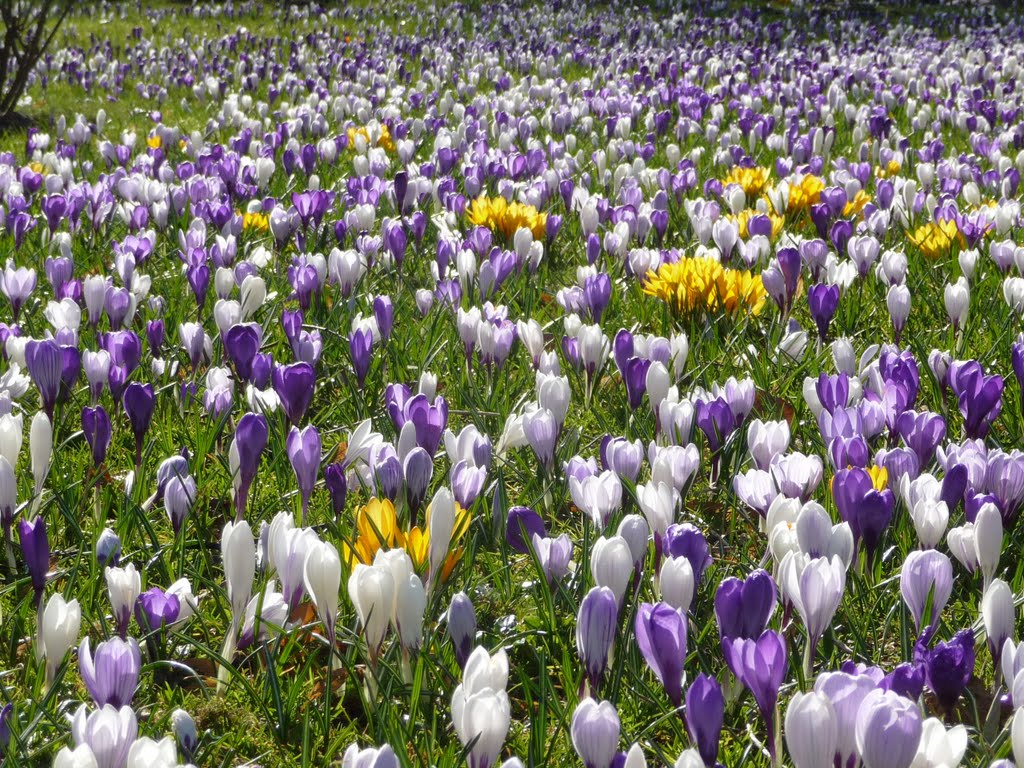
716 420
761 666
743 607
304 449
360 344
97 430
867 510
948 666
595 632
384 313
661 637
922 432
156 608
823 300
45 363
979 397
294 386
705 714
418 471
461 623
337 486
112 673
242 343
249 441
139 401
35 548
888 730
521 525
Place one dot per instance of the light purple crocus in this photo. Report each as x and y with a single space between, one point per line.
304 450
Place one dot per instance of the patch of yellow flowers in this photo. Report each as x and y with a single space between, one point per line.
382 133
255 222
505 218
804 193
935 238
377 528
752 180
701 284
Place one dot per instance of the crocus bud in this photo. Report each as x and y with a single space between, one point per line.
924 572
957 298
676 583
611 564
61 622
811 730
35 548
139 401
238 554
79 757
322 579
97 430
461 622
108 732
123 587
185 732
149 753
108 548
998 615
661 637
988 539
112 673
705 713
1017 736
898 302
442 525
888 730
303 449
40 441
372 591
595 733
595 632
481 715
410 603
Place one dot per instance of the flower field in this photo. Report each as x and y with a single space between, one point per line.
514 384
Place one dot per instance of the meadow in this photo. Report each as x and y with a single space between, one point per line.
514 384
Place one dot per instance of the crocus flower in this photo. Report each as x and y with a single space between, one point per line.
60 624
595 733
461 623
139 401
743 607
35 548
926 573
304 449
811 730
661 637
246 449
322 579
815 588
595 632
45 363
107 731
948 666
888 730
761 666
294 386
111 674
97 430
705 712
